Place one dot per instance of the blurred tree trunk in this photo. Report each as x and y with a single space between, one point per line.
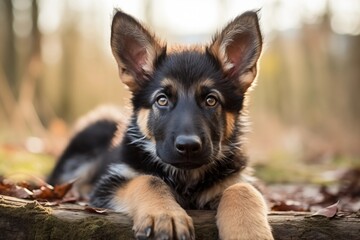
67 77
9 51
31 76
354 78
21 69
8 62
69 39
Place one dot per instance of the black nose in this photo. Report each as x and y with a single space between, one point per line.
188 145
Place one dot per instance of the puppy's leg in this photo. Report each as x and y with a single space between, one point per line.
242 214
156 214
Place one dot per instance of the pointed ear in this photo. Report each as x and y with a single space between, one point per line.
238 48
135 50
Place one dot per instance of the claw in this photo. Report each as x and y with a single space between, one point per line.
163 236
141 237
148 231
183 237
144 235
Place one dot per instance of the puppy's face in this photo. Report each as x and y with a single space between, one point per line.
187 101
186 109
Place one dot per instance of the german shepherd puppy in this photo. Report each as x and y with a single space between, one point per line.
182 146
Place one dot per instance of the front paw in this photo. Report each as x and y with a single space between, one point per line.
242 214
243 233
164 225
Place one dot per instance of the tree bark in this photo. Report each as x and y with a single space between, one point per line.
26 219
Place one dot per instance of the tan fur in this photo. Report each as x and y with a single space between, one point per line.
175 87
118 136
209 83
127 79
230 124
149 201
172 85
176 48
218 49
143 116
168 83
247 79
242 214
217 190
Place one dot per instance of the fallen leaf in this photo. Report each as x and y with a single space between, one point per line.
21 192
25 184
289 205
5 188
61 190
328 212
43 193
95 210
47 192
13 190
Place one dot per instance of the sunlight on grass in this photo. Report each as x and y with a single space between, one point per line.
282 168
20 165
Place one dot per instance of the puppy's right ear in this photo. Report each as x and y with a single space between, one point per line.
135 50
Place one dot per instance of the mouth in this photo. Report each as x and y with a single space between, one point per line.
185 162
187 165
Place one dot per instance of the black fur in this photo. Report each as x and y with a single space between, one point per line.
87 146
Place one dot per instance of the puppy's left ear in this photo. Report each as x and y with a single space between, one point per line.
238 49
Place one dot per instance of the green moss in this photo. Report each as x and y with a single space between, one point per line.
36 206
38 222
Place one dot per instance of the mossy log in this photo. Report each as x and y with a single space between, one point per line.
25 219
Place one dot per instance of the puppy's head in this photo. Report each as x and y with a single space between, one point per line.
187 102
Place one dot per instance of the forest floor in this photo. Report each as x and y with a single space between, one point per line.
287 187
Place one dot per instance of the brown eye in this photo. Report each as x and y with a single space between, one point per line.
211 101
162 100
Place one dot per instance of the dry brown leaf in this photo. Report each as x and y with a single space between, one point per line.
13 190
95 210
5 188
21 192
61 190
51 193
328 212
43 193
289 205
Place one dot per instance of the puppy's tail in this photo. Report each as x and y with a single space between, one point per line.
84 157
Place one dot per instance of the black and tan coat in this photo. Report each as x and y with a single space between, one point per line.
182 146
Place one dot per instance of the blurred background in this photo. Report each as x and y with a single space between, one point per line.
56 65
